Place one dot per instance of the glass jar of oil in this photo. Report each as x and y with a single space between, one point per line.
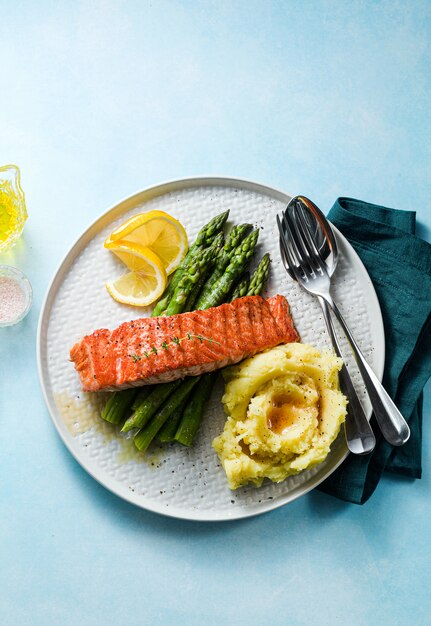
13 212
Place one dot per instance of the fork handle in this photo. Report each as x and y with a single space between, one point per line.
392 424
360 438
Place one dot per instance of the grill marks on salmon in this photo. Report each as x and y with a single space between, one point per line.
195 343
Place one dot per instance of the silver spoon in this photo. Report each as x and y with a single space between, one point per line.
360 438
311 273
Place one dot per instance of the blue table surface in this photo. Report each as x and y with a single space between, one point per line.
100 99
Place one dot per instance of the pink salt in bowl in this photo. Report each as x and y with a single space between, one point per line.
16 295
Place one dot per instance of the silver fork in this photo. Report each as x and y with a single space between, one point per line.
360 438
310 272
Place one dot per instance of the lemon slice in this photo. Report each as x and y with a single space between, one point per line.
158 231
146 281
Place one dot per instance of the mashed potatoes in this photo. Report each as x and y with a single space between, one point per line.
284 410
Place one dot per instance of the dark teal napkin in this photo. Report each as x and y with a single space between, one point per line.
399 264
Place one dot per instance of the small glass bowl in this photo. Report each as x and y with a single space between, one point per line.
22 280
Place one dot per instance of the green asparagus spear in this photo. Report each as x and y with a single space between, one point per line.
117 398
194 294
117 405
204 238
236 267
194 409
191 277
149 406
207 233
160 308
241 288
233 240
202 282
143 393
260 276
145 436
167 432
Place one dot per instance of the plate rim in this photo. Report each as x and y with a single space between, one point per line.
119 207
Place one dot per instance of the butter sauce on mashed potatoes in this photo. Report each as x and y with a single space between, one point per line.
284 409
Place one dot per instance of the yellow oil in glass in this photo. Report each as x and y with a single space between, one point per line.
13 212
8 215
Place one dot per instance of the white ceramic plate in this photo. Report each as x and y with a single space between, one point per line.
172 480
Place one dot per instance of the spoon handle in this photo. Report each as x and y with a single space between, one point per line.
392 424
359 435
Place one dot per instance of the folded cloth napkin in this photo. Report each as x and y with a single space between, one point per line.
399 264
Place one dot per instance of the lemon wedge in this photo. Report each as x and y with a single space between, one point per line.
158 231
146 281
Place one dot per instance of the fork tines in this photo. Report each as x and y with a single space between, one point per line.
302 255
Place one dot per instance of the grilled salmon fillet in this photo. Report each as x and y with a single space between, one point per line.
161 349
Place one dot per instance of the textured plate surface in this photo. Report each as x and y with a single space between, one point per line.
184 483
